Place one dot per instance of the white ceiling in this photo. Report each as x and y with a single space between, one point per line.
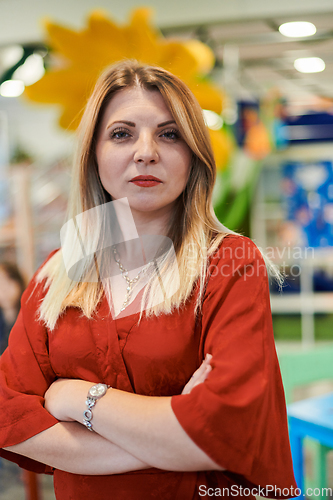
20 20
265 56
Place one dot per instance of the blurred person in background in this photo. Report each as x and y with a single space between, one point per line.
11 288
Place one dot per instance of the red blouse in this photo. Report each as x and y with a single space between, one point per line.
237 416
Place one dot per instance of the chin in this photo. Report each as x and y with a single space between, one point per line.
145 207
151 205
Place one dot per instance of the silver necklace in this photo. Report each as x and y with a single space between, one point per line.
124 272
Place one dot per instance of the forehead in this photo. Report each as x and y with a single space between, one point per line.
136 100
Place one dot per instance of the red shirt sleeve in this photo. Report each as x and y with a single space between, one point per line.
25 375
238 415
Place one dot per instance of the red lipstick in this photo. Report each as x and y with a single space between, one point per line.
146 181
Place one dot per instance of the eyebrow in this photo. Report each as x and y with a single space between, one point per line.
166 123
132 124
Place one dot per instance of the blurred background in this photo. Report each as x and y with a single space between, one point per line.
263 74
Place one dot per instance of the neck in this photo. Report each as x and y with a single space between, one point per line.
141 246
147 223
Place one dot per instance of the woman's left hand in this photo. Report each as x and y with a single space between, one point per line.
61 396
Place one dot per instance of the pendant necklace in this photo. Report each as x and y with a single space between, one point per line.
124 273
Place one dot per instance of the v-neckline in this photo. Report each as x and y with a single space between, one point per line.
116 370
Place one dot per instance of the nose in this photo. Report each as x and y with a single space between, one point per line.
146 150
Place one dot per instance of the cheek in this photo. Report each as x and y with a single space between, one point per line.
183 167
109 166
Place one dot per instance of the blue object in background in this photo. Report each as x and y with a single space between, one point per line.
311 418
311 127
308 199
248 111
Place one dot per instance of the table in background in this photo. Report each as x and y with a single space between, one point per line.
313 418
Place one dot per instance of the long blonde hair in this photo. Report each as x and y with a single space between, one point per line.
195 230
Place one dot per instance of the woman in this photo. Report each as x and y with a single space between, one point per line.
151 433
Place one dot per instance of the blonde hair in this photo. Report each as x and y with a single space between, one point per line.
195 230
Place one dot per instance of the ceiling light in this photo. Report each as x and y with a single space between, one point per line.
12 88
309 65
11 55
212 120
31 71
297 29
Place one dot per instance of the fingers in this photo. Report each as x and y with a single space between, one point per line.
200 375
202 367
208 358
203 375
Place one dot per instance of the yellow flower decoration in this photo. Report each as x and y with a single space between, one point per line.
84 54
223 145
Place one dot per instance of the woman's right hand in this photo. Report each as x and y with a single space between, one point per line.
200 375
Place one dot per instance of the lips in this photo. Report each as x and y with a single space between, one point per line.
146 180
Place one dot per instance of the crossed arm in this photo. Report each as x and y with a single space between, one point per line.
132 432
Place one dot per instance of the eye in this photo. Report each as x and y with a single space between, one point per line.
119 134
171 135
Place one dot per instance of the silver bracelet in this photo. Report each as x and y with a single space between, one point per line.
95 393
